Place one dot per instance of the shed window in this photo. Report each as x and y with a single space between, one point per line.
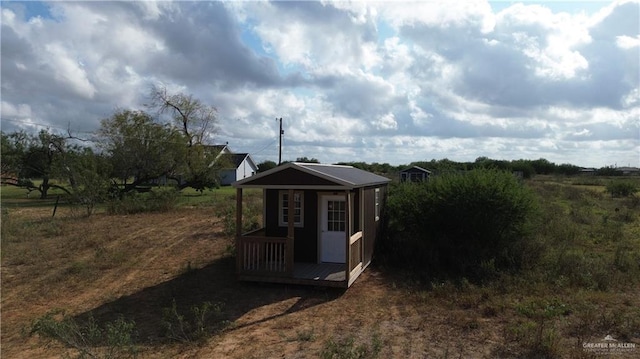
294 208
336 216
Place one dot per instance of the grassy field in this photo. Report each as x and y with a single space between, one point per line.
170 275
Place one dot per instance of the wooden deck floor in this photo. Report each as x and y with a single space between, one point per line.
319 271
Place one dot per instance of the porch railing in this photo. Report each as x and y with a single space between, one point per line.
262 255
355 252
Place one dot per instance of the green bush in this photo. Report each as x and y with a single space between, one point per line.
159 199
225 210
115 340
621 188
203 321
464 224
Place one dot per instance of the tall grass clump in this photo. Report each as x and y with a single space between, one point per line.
468 225
621 188
346 348
89 340
204 320
157 200
225 209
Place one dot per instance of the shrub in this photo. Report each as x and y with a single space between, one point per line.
225 210
621 188
115 340
204 320
160 199
469 224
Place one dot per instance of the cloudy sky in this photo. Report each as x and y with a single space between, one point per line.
374 81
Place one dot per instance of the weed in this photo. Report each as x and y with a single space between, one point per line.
581 213
586 181
106 258
88 339
618 188
306 335
225 209
80 269
572 193
535 339
157 200
346 348
201 323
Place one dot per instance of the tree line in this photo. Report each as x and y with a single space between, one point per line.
528 168
171 141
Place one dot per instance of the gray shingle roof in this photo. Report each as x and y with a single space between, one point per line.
235 158
351 175
313 175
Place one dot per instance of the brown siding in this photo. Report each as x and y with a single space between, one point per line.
306 238
371 226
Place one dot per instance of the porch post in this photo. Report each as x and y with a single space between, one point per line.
290 232
347 229
362 220
238 229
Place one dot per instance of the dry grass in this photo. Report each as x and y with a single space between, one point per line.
108 267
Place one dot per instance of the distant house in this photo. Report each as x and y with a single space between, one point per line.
414 174
629 171
588 171
242 166
238 166
320 223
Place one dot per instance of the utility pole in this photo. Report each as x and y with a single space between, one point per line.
280 145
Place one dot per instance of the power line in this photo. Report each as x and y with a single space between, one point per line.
41 125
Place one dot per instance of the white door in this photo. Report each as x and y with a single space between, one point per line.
333 224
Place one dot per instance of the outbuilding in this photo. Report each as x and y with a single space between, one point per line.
414 174
320 224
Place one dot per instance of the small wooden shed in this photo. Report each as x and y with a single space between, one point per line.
414 174
320 224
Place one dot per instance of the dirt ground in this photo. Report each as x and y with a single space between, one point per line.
107 267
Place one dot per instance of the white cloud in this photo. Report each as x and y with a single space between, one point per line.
386 122
628 42
374 81
67 69
20 111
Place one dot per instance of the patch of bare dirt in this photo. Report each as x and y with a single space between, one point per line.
107 267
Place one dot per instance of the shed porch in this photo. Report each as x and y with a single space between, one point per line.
262 258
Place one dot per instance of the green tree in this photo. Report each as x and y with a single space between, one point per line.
14 147
27 156
266 165
196 121
567 169
608 171
88 174
307 160
139 149
543 166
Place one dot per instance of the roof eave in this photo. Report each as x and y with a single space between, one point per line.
340 183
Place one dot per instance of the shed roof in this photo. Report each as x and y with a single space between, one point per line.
414 168
312 176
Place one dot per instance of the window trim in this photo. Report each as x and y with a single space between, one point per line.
281 208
